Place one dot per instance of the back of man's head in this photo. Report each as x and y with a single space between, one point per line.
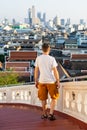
45 47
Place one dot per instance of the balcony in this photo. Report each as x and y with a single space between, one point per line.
20 108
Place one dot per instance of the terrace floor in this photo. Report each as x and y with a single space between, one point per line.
25 117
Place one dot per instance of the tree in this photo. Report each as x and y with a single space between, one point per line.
8 78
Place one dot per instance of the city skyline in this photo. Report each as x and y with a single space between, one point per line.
18 9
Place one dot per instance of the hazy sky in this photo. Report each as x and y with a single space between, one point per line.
74 9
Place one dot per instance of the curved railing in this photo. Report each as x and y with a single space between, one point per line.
75 99
72 100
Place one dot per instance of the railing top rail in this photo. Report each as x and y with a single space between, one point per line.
77 78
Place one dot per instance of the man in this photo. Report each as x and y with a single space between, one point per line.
47 80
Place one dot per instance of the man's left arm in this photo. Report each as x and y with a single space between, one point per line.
36 74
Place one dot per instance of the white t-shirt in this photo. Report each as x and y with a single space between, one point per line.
45 64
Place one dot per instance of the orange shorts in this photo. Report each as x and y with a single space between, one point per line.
44 89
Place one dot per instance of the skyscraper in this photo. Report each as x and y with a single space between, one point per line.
33 15
82 21
39 15
57 21
30 16
68 21
62 21
44 17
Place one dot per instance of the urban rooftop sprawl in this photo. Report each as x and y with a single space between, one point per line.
68 41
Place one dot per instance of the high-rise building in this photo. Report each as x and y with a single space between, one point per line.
68 21
44 17
26 20
30 16
39 15
62 21
33 15
57 21
13 21
81 21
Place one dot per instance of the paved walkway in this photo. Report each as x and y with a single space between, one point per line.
22 117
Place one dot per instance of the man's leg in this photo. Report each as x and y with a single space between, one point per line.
52 106
44 107
53 91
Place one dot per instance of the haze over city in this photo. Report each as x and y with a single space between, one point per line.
18 9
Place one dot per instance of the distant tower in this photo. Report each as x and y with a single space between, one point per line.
33 15
26 20
30 16
39 15
81 21
44 17
68 21
62 21
57 21
13 21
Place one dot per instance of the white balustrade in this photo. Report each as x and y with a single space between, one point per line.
75 99
72 100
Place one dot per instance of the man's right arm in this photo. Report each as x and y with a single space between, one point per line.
56 74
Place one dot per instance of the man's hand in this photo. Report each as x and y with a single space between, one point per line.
58 84
36 84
